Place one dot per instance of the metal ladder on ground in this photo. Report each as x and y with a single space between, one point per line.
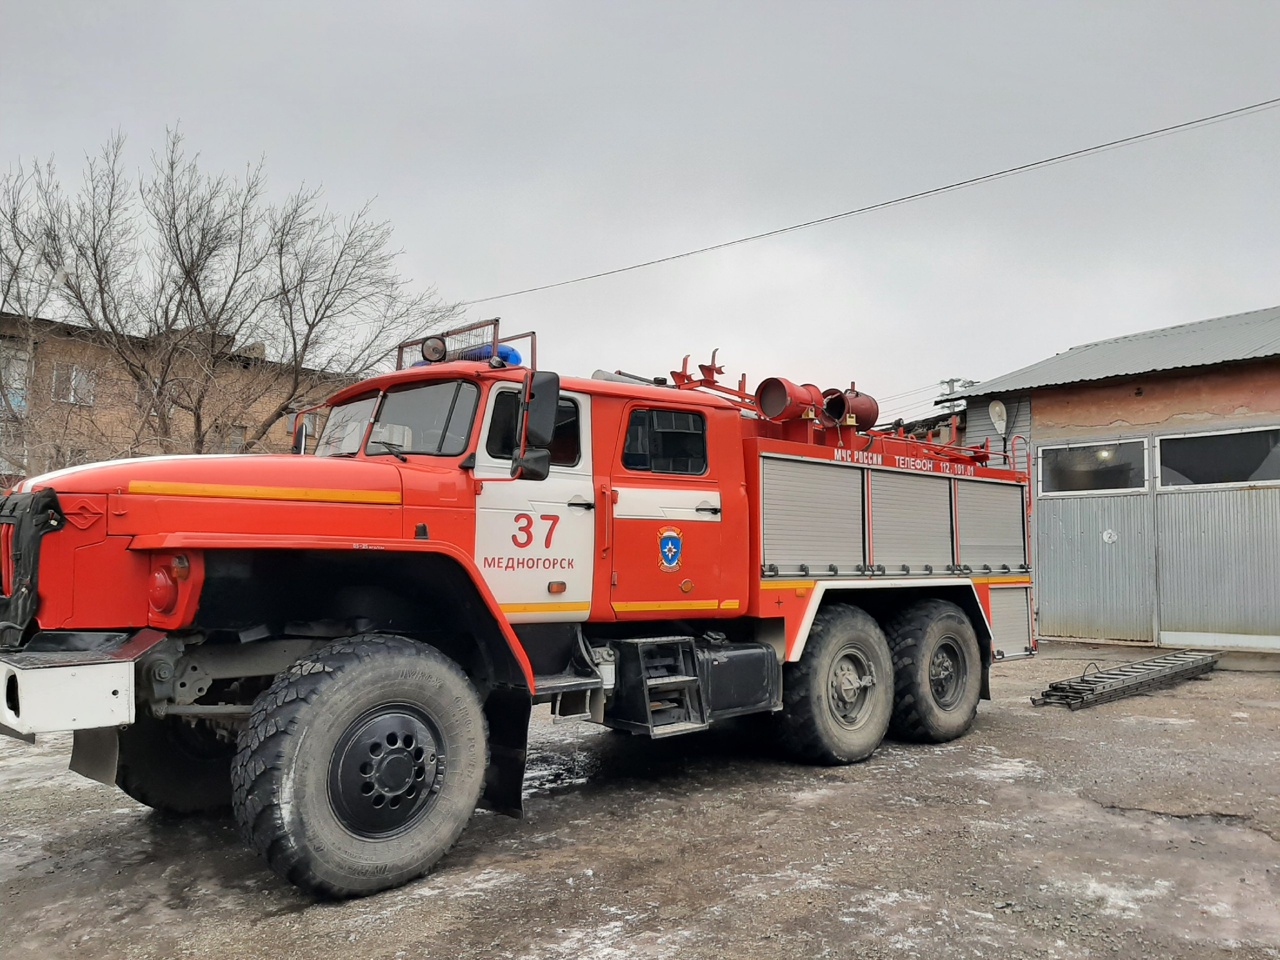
1127 679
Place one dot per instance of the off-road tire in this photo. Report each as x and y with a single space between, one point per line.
174 766
937 634
291 777
817 725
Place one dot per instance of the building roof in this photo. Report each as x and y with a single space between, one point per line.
1241 336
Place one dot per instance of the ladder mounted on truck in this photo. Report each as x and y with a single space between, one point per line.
1103 686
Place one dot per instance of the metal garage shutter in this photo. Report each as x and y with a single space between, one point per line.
910 521
812 515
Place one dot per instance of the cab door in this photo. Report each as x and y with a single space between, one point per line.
535 539
667 528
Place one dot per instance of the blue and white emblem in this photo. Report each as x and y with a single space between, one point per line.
670 548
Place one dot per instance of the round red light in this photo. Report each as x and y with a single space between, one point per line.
164 591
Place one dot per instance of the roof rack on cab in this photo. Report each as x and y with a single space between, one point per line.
473 341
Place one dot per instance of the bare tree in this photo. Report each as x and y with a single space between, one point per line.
220 311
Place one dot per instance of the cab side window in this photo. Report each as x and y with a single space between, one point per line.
666 441
566 443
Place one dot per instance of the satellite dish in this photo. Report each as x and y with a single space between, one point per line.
999 416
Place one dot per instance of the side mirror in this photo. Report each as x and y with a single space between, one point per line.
539 400
299 434
533 464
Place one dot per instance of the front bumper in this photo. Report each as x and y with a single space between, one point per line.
48 692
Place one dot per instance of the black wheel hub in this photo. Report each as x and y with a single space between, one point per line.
850 684
947 673
386 771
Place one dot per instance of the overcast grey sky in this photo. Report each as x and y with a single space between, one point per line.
513 144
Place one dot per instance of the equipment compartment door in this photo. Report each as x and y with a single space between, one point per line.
535 539
667 532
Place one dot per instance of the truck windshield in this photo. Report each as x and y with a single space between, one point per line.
432 418
345 427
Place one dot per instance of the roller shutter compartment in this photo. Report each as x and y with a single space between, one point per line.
910 521
812 515
991 518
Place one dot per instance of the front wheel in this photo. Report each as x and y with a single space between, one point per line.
838 698
360 765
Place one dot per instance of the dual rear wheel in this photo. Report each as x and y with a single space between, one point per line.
921 677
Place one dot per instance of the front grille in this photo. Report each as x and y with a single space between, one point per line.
6 559
25 520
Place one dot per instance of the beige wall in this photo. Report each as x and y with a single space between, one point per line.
55 431
1220 397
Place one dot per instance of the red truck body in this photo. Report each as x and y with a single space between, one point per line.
691 534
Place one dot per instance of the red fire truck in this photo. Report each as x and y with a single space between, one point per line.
344 645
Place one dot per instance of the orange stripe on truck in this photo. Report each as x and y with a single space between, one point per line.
253 492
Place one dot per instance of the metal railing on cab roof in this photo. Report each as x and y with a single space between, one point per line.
473 341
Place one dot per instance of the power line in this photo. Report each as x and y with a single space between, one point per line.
927 388
933 192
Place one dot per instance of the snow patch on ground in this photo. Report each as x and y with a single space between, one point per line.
611 941
1119 899
812 796
1007 770
877 901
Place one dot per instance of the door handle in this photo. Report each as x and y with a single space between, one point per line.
582 502
705 507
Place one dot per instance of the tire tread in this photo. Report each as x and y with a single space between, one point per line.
254 769
905 631
798 733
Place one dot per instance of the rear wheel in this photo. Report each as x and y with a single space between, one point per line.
838 698
937 672
361 765
175 766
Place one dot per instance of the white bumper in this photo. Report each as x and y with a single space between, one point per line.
52 692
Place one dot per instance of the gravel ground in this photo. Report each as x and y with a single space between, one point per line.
1148 827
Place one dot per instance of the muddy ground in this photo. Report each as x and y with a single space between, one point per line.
1149 827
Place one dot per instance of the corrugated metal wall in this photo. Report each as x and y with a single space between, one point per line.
1095 566
910 520
1219 560
812 514
1120 567
978 426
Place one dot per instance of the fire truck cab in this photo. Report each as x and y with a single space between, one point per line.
344 645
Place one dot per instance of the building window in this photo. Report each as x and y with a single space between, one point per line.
154 402
15 361
1094 467
63 457
231 439
73 383
666 441
1247 456
12 449
566 444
